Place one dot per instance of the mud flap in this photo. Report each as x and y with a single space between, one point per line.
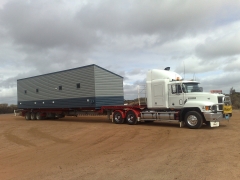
181 124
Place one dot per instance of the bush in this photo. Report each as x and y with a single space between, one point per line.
5 108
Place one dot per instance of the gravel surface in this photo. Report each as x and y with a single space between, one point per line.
94 148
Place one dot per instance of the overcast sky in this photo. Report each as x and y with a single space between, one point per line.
127 37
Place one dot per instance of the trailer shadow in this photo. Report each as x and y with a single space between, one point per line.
81 119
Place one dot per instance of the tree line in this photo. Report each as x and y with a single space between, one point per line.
5 108
235 98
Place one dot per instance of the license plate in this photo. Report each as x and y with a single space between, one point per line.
227 109
214 124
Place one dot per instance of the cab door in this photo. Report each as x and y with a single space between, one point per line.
176 96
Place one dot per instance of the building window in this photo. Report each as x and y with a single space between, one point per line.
59 87
78 85
37 90
25 91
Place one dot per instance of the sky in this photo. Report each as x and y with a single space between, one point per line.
198 39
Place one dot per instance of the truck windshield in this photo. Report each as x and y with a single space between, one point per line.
191 87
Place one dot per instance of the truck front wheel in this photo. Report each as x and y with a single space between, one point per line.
193 120
131 118
118 118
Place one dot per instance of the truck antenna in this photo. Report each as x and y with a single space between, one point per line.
183 70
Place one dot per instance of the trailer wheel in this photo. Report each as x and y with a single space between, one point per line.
131 118
117 118
193 120
38 116
28 116
33 116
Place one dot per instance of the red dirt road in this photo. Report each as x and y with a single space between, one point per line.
94 148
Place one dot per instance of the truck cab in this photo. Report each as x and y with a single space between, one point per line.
168 92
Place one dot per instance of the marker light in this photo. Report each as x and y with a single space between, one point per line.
178 78
207 108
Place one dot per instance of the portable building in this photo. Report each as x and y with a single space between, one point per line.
83 87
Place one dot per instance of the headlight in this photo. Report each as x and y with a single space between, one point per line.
214 108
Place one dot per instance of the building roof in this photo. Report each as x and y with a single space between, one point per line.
72 69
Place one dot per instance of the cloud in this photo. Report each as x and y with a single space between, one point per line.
223 81
8 95
136 71
233 65
135 90
194 65
226 46
126 37
43 25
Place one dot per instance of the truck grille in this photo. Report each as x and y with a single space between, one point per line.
220 100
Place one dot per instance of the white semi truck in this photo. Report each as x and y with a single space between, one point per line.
169 97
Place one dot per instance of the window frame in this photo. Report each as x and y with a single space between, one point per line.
78 86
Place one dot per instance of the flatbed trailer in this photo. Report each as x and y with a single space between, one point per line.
131 114
39 114
168 97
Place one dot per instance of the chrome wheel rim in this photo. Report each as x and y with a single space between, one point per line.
130 118
117 117
192 120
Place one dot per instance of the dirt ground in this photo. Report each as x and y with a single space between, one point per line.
94 148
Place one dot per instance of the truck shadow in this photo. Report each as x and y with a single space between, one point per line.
103 119
176 125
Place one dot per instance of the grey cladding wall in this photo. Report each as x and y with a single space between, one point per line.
88 86
108 85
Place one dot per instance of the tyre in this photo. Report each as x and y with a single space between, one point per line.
193 120
117 118
131 118
38 116
28 116
33 116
